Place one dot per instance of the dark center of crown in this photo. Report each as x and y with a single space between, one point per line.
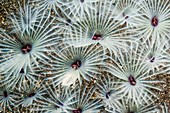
107 94
81 1
59 104
97 37
22 70
152 59
68 22
77 110
132 80
26 48
125 16
5 94
31 94
130 112
76 64
154 21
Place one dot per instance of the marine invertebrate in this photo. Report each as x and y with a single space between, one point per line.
16 80
79 7
130 107
20 50
64 22
100 27
106 90
153 53
48 5
83 102
58 100
129 10
56 9
7 98
166 68
75 63
134 75
30 93
81 56
155 19
24 19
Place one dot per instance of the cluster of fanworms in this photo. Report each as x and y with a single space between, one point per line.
84 56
